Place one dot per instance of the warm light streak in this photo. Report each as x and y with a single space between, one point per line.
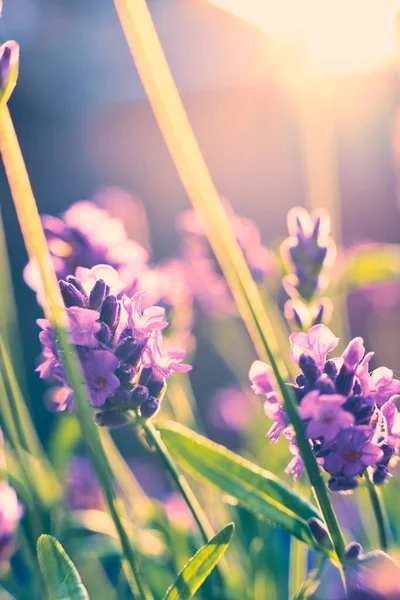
326 37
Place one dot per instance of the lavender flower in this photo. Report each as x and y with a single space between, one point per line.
11 512
203 274
349 414
308 252
119 345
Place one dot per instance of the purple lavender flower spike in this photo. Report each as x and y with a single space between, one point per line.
317 343
349 415
353 452
120 350
325 414
11 512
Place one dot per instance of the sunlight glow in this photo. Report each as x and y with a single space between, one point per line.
325 37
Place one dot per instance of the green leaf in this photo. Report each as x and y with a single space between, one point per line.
369 265
59 573
196 571
256 489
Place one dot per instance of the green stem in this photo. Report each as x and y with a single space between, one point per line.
181 483
380 517
205 527
38 251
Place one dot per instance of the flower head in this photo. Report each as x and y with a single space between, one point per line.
119 345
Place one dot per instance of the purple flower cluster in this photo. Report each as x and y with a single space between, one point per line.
87 236
203 274
308 251
349 414
119 344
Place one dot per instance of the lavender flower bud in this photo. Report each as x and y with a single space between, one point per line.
110 310
156 387
127 350
97 294
319 532
309 368
380 475
125 373
353 551
330 369
112 419
139 395
71 295
325 385
71 279
342 484
8 69
104 335
344 380
149 407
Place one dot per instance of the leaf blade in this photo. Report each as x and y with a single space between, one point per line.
256 489
197 569
60 575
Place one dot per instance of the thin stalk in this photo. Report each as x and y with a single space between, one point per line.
205 527
36 245
174 124
379 512
180 481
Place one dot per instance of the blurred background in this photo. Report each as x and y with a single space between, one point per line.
287 111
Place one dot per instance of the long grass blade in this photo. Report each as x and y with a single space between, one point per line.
36 245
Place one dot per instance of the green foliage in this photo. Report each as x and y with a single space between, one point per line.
200 566
62 580
369 265
256 489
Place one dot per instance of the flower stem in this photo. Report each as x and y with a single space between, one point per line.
379 512
183 487
38 251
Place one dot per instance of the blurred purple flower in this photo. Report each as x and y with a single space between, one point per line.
203 273
11 512
83 491
261 377
86 236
